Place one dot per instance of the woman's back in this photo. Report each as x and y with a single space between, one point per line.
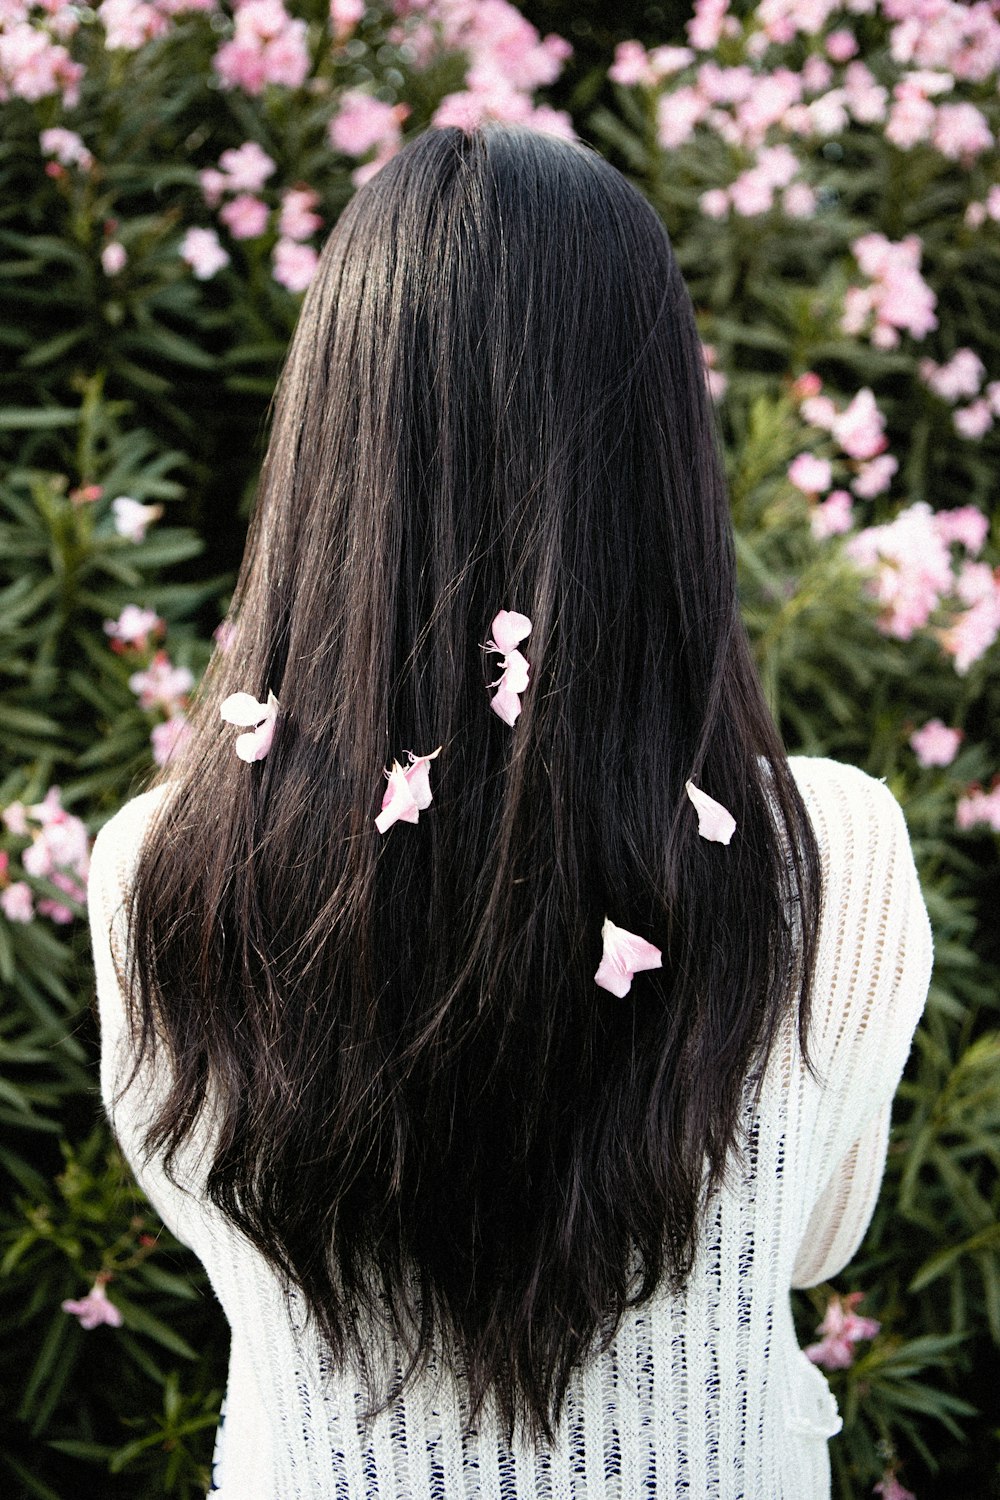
703 1392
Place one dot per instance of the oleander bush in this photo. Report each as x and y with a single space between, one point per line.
168 169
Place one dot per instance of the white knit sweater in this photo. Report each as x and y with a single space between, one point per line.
702 1395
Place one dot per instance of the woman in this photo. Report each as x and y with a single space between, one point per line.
504 1099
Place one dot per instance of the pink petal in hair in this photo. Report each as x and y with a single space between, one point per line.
508 629
625 954
418 778
259 718
715 822
408 791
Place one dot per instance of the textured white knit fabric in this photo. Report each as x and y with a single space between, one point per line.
706 1395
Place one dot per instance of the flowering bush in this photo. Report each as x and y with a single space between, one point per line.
828 174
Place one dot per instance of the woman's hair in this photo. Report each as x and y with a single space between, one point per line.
425 1114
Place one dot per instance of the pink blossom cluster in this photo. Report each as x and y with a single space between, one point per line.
754 190
859 431
242 172
59 852
949 34
979 210
67 148
267 46
978 807
962 377
914 575
507 61
130 24
161 685
34 63
841 1328
363 124
959 130
897 298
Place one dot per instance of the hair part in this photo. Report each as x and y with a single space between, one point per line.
423 1108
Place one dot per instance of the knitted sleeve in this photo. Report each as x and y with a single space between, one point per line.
873 970
112 864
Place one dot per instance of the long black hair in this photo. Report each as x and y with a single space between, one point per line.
424 1109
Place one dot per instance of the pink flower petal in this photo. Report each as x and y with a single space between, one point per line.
515 672
399 803
505 703
715 822
418 778
625 954
508 629
242 709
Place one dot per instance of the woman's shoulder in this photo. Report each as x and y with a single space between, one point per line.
853 814
119 840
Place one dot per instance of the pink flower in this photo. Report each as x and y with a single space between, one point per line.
961 132
344 16
799 200
408 792
297 221
113 258
624 956
715 822
966 524
865 98
168 737
912 568
962 375
203 253
631 66
842 1328
267 46
890 1488
973 421
67 147
898 296
15 819
751 194
258 718
294 265
16 902
677 114
860 427
130 24
508 629
213 184
819 411
832 516
935 744
718 383
978 807
134 626
94 1309
974 629
874 477
245 169
362 123
131 518
841 45
811 475
706 25
245 217
714 203
162 685
911 118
